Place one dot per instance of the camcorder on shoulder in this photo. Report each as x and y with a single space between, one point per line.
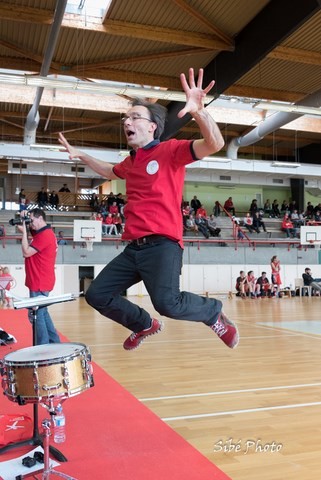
20 221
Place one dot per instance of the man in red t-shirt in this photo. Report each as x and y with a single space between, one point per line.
40 257
154 173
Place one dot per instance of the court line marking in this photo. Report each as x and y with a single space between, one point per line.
210 339
288 330
236 412
230 392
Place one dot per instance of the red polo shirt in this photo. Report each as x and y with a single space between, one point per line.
154 186
40 268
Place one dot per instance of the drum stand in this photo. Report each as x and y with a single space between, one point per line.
47 470
36 439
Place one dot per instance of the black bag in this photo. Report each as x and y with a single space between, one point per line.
6 338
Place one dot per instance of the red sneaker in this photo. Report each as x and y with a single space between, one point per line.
135 339
226 331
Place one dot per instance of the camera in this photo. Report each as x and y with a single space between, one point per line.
19 221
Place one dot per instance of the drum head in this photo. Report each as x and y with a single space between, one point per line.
47 352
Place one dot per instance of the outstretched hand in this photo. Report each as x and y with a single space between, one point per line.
73 152
195 94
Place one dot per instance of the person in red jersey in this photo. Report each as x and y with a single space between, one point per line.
40 257
276 276
154 173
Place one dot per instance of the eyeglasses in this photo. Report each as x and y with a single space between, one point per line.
134 117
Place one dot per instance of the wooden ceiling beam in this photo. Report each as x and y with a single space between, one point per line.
116 28
296 55
58 118
102 138
171 83
129 76
27 54
152 33
201 19
25 14
247 91
144 58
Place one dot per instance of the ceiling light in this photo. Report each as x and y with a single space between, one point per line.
216 160
32 160
285 164
91 87
288 107
40 146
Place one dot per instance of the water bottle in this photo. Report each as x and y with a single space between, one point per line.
59 425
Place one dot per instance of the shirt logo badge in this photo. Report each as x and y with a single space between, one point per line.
152 167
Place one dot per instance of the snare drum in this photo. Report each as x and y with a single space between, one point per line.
55 370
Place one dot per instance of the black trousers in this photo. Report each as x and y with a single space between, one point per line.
158 264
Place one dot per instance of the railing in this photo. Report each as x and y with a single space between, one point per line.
76 201
290 243
235 227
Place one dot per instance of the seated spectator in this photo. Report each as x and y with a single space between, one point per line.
253 207
241 285
212 226
288 227
239 234
275 209
120 202
317 217
296 220
22 200
248 223
284 206
54 199
217 209
229 206
267 207
111 199
195 204
253 288
317 209
309 281
94 202
117 220
190 225
61 240
258 221
309 210
201 211
265 286
102 208
186 210
302 217
113 209
42 198
201 224
108 227
292 206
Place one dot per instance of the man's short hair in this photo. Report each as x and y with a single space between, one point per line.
307 269
38 212
158 114
263 273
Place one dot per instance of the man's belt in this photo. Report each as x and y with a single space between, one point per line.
147 240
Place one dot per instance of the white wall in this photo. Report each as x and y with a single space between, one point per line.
195 278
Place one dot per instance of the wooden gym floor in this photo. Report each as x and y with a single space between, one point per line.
255 412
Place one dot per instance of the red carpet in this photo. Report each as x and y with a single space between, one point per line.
110 434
